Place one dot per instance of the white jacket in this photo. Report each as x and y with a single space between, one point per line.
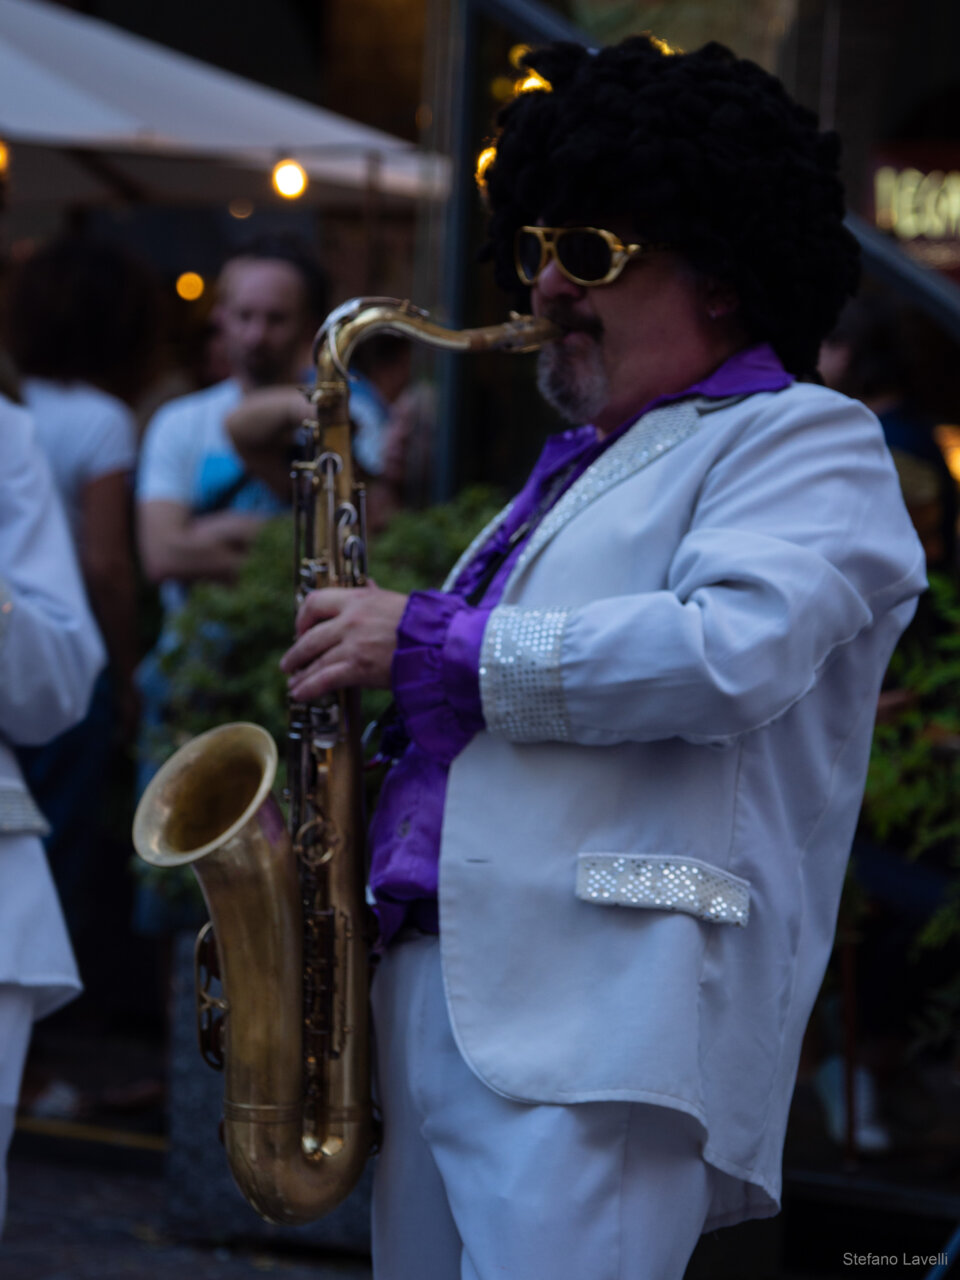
642 857
50 655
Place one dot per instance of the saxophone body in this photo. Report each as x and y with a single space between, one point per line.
289 932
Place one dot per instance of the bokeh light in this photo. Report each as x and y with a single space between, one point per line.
190 286
484 161
289 179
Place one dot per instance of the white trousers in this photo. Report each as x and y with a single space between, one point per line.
16 1024
470 1185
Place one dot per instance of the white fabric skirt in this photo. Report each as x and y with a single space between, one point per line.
35 950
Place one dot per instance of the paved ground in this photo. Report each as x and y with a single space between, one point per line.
77 1222
79 1215
82 1209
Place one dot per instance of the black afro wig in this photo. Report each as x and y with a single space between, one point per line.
702 151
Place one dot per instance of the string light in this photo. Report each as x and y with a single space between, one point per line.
503 88
661 45
533 82
484 160
190 286
289 179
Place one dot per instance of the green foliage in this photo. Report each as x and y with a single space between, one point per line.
419 547
913 783
230 639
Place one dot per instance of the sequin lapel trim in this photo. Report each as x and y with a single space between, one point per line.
653 435
665 882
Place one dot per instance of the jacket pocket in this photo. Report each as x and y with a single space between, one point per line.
663 882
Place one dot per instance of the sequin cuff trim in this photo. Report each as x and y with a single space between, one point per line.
666 882
19 813
6 610
521 687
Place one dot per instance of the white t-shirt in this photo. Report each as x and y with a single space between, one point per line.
85 434
370 414
188 457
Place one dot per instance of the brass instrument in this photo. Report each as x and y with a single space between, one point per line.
287 933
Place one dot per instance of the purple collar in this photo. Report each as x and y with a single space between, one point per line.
751 369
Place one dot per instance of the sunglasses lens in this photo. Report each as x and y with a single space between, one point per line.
584 254
528 256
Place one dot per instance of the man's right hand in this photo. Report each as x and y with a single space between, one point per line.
262 428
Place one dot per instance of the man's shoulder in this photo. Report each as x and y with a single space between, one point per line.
800 405
17 436
189 411
81 421
180 435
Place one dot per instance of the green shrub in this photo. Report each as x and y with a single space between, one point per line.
912 798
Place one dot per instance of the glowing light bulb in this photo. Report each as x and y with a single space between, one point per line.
190 286
533 82
661 45
484 160
4 158
289 179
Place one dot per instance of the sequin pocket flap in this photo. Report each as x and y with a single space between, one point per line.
663 882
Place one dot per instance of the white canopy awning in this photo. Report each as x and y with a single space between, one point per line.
73 83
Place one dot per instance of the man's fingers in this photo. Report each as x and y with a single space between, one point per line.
312 644
319 679
328 602
350 630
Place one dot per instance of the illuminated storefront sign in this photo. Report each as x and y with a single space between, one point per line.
921 207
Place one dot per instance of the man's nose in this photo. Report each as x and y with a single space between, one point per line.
552 283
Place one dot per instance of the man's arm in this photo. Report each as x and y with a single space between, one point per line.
174 543
106 561
262 427
799 542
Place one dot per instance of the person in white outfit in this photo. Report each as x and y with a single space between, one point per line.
50 656
81 325
633 730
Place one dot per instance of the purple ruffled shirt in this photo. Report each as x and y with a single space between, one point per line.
435 673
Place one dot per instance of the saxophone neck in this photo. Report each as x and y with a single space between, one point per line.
353 321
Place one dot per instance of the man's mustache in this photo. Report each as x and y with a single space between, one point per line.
570 322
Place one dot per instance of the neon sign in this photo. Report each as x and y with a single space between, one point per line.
911 203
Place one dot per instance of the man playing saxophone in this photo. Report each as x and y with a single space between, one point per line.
634 728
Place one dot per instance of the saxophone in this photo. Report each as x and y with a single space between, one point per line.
288 937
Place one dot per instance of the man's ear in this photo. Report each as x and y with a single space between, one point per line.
720 299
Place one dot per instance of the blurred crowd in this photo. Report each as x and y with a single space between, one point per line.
165 472
126 478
